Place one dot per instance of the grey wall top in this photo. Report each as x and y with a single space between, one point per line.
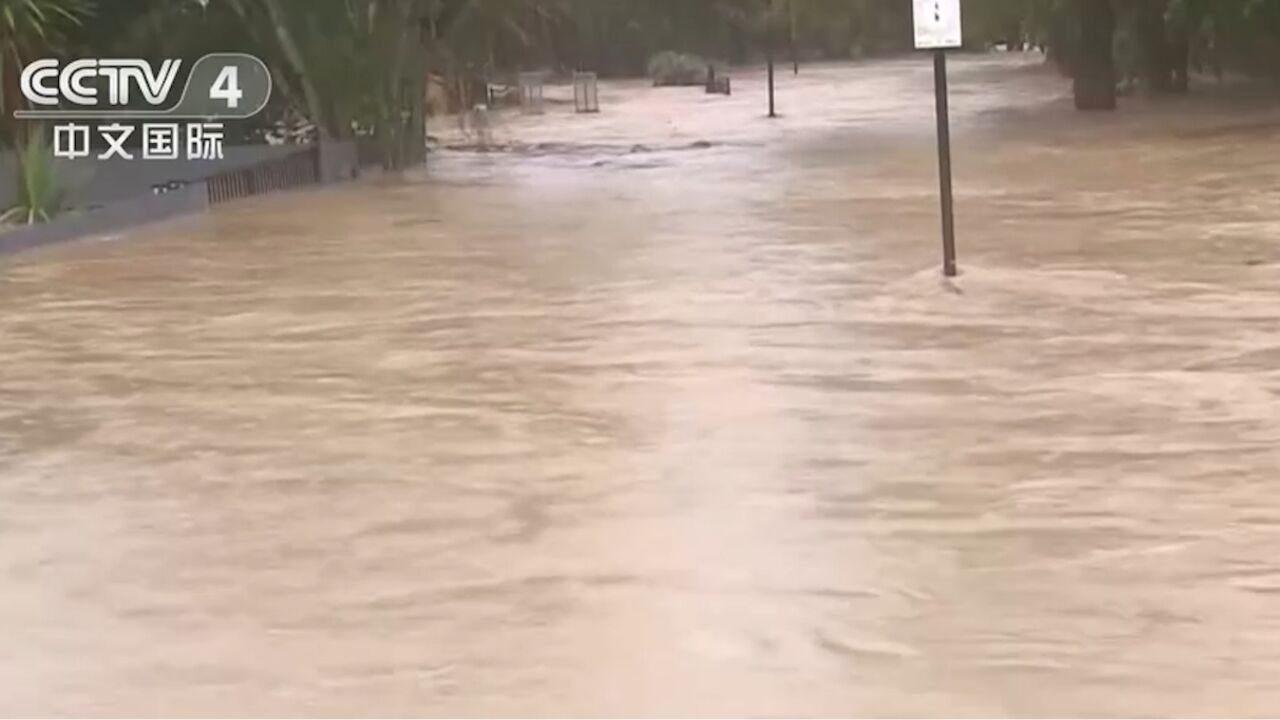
98 182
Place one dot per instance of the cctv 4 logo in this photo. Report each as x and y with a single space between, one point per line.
49 83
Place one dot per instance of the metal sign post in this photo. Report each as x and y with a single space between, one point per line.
938 27
944 163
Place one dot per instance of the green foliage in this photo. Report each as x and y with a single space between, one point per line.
33 24
41 195
29 28
159 29
354 68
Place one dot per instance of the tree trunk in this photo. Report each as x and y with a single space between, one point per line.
1180 61
392 124
284 36
1013 36
1094 66
1156 61
737 44
1183 26
1062 42
401 130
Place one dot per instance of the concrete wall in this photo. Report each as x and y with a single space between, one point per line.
116 195
119 215
94 182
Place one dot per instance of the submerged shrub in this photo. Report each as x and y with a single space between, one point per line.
674 68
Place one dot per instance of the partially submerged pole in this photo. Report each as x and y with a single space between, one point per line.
938 26
772 106
944 163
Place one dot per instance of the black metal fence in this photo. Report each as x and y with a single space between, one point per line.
292 171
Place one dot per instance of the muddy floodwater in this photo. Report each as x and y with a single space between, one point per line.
667 411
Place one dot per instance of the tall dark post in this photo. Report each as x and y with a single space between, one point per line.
944 164
772 107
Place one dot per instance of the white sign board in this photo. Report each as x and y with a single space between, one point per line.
938 24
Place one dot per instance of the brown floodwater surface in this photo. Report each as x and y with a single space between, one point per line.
666 411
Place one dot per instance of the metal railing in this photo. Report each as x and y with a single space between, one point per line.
292 171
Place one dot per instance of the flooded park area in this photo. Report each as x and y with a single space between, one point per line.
668 411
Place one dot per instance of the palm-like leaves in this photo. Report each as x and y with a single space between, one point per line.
25 21
31 27
41 195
